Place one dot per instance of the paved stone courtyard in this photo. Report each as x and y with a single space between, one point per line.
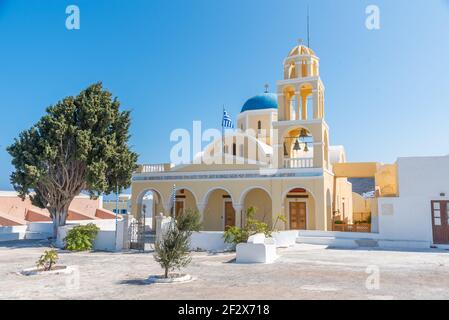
302 272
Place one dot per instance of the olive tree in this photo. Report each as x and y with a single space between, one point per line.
80 144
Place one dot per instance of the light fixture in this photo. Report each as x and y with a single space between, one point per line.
306 148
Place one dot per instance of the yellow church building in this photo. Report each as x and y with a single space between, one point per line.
278 160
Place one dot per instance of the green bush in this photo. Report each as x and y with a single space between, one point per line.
81 238
47 260
236 235
188 221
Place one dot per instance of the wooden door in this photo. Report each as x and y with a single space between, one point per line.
179 208
229 216
298 216
440 223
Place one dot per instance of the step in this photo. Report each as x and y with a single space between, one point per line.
37 235
332 242
367 243
12 236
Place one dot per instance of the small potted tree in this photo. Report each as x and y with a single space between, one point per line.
47 264
172 252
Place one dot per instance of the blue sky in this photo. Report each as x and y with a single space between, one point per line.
172 62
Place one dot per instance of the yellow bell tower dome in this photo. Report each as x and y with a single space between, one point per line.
301 86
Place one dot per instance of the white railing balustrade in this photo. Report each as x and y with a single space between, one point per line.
147 168
297 163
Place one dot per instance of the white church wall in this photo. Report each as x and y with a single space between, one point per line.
408 217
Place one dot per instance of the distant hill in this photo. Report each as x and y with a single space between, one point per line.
362 185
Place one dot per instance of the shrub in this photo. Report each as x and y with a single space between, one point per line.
81 238
172 252
47 260
281 218
189 222
236 235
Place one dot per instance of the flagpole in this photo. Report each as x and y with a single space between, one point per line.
222 137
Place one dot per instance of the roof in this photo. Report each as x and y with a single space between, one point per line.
260 102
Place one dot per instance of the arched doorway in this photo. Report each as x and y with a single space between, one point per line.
185 200
149 204
300 210
219 212
260 199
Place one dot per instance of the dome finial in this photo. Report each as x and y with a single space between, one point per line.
267 86
300 41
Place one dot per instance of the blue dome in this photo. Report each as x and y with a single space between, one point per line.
260 102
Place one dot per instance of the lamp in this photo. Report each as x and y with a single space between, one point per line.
306 148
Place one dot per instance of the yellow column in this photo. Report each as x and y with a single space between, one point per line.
238 214
304 107
316 111
298 105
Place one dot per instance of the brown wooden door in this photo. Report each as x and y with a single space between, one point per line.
229 217
179 208
440 223
298 214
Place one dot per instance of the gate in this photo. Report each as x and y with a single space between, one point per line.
137 235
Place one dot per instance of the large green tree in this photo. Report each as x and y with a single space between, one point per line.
80 144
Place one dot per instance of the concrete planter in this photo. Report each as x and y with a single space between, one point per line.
58 269
172 278
285 239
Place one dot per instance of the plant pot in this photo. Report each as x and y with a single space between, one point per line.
172 278
58 269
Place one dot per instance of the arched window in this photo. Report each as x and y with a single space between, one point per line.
259 125
292 70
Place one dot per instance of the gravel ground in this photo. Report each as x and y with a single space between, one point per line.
301 272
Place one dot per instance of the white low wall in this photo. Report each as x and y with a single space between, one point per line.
209 241
13 229
214 241
41 227
406 219
106 239
284 239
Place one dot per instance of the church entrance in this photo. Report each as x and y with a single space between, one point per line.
298 215
229 215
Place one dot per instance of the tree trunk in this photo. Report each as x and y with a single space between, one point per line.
166 273
59 220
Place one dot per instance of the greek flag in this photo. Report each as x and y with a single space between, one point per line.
227 121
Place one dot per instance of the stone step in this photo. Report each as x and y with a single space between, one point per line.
367 243
12 236
332 242
37 235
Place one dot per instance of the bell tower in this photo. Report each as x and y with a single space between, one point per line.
302 131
